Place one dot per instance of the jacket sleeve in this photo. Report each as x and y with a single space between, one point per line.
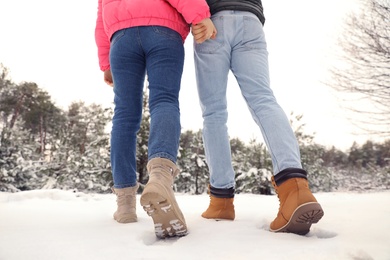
102 41
193 11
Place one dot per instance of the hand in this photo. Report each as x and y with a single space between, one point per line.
204 30
108 78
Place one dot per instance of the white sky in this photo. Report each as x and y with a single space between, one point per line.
62 225
52 44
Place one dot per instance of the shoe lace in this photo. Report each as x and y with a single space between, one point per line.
124 199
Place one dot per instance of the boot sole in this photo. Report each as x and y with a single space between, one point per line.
167 222
126 219
302 219
220 219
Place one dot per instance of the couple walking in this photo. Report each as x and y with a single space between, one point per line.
143 37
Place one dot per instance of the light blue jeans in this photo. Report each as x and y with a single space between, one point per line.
158 52
241 47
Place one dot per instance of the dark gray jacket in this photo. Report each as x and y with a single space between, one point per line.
253 6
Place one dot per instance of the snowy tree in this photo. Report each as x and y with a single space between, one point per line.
239 155
42 117
320 177
43 147
80 158
20 165
21 159
6 95
253 167
194 176
334 157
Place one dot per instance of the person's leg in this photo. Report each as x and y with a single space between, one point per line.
164 61
164 53
212 64
128 70
250 67
298 207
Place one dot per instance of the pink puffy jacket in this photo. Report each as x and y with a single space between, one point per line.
114 15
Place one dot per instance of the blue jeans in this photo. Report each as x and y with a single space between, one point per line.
241 47
158 52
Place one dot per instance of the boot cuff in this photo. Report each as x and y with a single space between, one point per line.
222 193
163 163
288 174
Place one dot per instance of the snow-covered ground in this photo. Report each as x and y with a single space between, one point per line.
55 224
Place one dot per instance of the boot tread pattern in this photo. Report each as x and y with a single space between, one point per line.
310 217
166 223
303 217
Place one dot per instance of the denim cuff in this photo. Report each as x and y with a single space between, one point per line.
288 174
222 193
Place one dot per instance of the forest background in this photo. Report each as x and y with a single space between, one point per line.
46 147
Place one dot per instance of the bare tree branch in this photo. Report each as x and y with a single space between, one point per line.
365 69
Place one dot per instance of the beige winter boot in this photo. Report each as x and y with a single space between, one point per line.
126 201
298 207
158 199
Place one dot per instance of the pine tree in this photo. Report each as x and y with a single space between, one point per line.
80 158
253 167
194 176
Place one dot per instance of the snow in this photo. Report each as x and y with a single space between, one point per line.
57 224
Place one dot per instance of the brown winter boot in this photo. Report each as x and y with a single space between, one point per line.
221 204
158 199
298 208
220 208
126 201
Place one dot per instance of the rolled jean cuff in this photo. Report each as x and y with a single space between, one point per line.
222 193
289 173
